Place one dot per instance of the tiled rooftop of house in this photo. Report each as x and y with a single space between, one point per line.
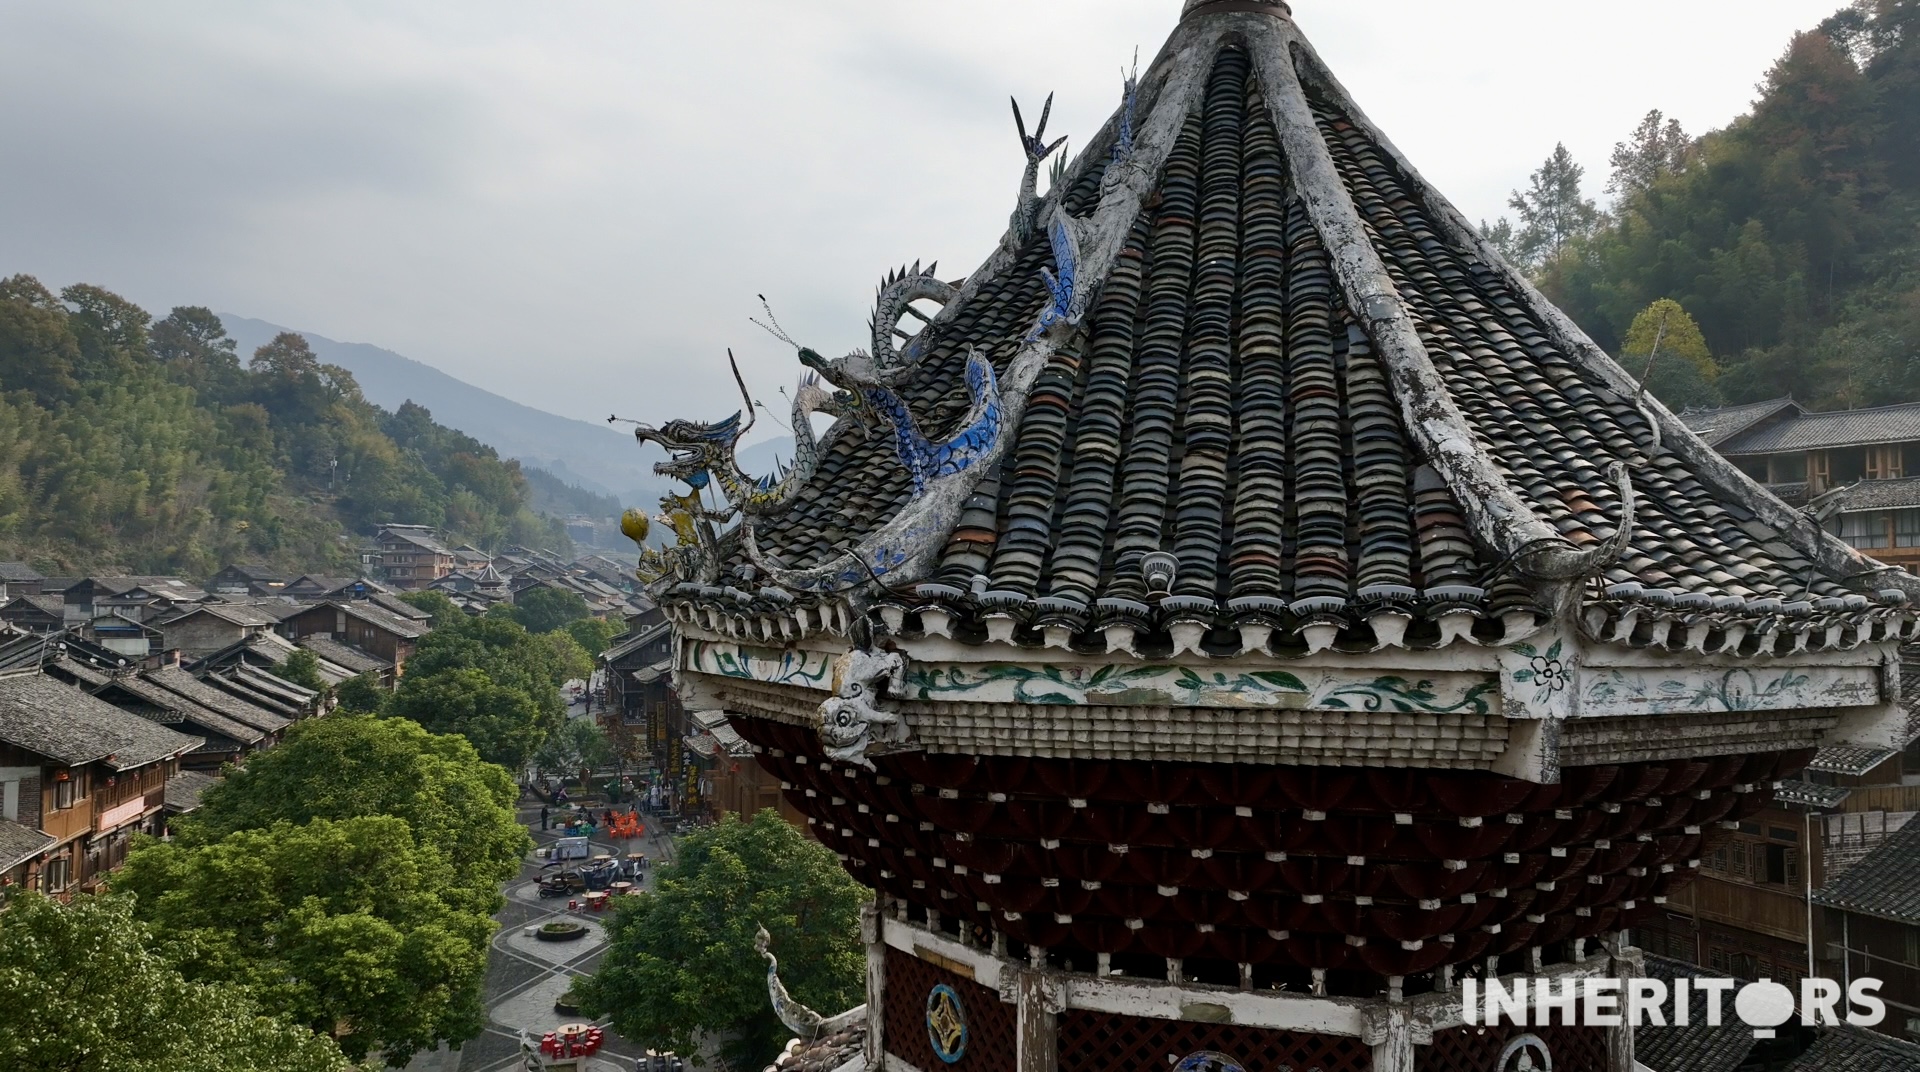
1886 883
1825 431
61 722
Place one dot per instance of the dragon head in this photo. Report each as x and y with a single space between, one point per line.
692 447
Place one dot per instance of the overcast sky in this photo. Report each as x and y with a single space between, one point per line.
574 203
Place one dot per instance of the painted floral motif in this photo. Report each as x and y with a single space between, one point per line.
1735 690
1209 1061
1545 671
810 669
1407 696
1184 686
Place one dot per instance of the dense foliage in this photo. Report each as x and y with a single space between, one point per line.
490 680
1792 236
345 880
83 988
146 446
681 961
348 927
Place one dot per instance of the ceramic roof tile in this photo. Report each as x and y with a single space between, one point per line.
1279 459
1822 431
20 843
70 727
1853 1049
1886 883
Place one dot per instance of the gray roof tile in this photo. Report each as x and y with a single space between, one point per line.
176 680
184 790
68 726
20 843
1886 883
1825 431
1853 1049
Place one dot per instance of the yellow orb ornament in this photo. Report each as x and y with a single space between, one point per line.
635 524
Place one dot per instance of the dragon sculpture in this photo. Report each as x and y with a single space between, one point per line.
926 461
801 1020
852 721
1068 300
1026 213
1123 143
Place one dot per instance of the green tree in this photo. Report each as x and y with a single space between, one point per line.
302 668
460 809
336 925
1552 212
681 962
1658 148
1666 347
505 724
362 694
84 989
577 749
594 635
542 610
443 610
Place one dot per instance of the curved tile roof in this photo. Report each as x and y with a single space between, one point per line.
1304 391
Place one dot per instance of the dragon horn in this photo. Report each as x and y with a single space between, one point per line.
1018 122
752 415
1040 132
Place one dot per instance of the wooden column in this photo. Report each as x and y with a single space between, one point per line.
1628 963
1039 1000
872 919
1393 1031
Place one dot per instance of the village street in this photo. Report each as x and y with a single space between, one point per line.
525 976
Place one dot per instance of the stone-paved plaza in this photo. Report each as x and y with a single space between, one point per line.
525 976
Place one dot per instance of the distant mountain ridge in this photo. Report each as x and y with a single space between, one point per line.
592 456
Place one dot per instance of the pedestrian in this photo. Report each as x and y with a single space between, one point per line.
543 818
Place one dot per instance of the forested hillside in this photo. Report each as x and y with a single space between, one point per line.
1792 237
147 447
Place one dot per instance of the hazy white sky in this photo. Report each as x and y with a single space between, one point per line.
574 203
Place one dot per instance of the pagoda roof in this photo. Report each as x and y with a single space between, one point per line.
1253 370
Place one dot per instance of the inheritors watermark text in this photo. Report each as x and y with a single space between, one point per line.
1609 1002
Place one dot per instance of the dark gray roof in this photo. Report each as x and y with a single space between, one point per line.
1824 431
1854 1049
91 676
18 571
380 616
1301 462
1850 759
184 789
241 614
1716 425
1879 495
20 843
399 607
1885 883
174 679
68 726
320 584
50 604
135 686
1809 795
344 655
1695 1047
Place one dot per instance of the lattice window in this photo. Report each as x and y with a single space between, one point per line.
991 1023
1102 1042
1477 1049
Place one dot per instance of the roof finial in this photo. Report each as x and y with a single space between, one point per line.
1222 7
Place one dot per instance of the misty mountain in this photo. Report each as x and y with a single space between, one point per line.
592 456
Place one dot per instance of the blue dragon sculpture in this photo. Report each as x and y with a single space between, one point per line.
926 461
1068 304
